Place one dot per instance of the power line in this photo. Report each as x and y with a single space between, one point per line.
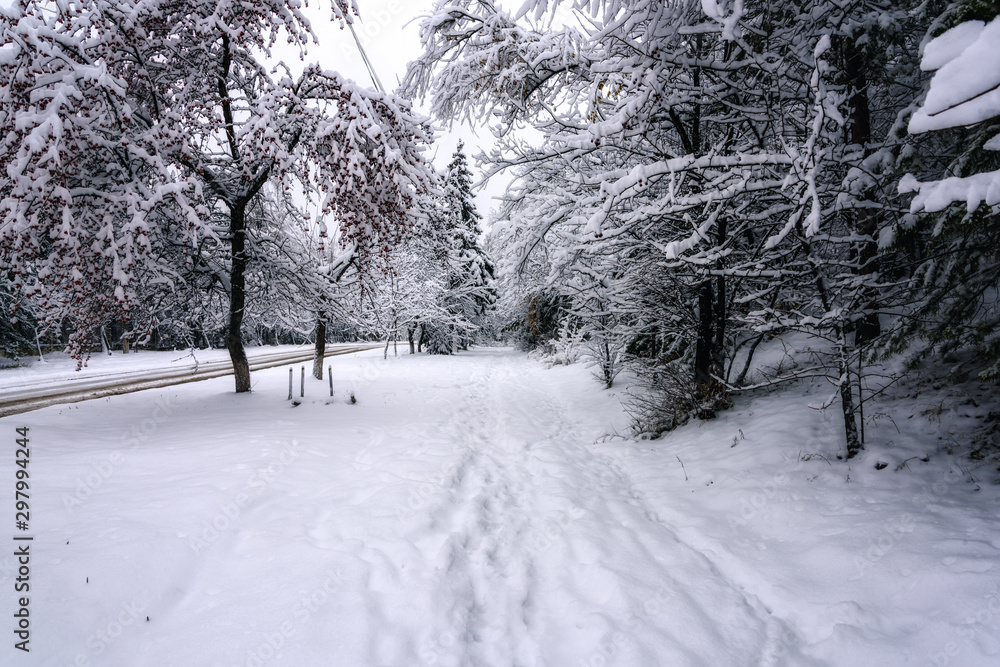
364 56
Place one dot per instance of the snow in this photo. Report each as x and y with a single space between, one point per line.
950 44
8 53
729 23
966 86
480 510
965 90
938 195
59 369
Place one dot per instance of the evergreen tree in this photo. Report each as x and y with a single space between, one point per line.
954 172
470 289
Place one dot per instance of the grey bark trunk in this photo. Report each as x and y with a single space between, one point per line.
854 445
237 300
320 347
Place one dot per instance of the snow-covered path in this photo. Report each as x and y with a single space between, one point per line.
548 556
467 511
481 527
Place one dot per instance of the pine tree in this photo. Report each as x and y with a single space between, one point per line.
954 164
470 287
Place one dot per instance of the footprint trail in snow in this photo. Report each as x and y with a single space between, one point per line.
537 550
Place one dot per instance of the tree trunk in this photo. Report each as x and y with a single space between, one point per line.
705 353
237 299
720 310
868 327
705 344
409 337
854 445
320 347
105 346
609 371
746 366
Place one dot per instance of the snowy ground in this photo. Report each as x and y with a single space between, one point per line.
478 510
58 368
31 386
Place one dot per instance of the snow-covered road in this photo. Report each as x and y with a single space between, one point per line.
466 511
22 392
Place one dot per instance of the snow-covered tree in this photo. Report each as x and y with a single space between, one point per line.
441 281
951 230
135 131
470 290
709 175
18 324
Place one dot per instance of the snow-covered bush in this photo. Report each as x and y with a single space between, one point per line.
437 339
566 348
665 397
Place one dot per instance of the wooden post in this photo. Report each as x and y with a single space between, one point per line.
302 389
289 384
